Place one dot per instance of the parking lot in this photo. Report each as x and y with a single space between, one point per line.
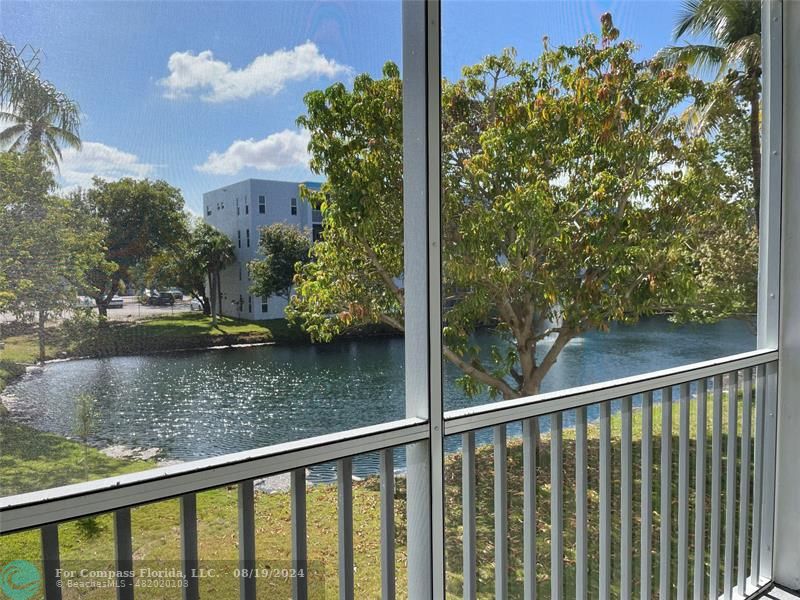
133 310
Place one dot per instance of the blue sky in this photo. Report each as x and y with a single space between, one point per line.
206 93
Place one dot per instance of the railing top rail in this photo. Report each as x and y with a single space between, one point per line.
506 411
25 511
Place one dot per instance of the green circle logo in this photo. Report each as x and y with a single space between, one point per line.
20 580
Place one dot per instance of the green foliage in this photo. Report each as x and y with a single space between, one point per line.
53 245
571 191
141 218
733 28
725 242
284 249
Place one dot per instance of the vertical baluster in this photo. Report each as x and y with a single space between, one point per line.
755 550
468 515
556 508
51 561
716 486
683 494
188 510
605 501
700 491
581 514
665 530
123 553
500 514
247 541
626 500
730 485
387 524
530 439
297 480
744 474
646 564
344 474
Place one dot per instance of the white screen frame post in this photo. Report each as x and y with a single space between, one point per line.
422 282
784 22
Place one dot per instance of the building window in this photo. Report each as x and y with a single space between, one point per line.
316 232
316 216
248 237
239 238
240 272
294 206
208 210
262 205
264 304
247 209
249 304
237 207
241 303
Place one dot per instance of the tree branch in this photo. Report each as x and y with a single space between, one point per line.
481 375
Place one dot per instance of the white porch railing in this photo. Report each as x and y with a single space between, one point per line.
735 480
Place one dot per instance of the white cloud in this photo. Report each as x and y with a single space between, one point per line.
267 74
279 150
96 159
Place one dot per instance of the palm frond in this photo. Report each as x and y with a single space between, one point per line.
65 137
698 56
745 50
11 134
698 17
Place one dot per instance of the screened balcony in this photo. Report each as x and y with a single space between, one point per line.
678 483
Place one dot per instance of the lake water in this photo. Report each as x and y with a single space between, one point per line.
194 405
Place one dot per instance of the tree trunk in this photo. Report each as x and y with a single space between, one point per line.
102 310
212 290
219 292
42 319
755 152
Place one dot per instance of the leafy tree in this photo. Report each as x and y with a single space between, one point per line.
38 113
48 247
284 248
196 265
141 218
725 247
734 29
569 189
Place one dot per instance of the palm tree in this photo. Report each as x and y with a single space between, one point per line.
733 28
37 116
38 123
215 251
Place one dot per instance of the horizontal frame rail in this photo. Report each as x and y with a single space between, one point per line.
27 511
489 415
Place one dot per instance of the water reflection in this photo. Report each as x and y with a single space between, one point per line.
199 404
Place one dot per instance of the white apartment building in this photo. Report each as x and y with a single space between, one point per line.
239 211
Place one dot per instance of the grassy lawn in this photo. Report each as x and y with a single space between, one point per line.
156 526
171 332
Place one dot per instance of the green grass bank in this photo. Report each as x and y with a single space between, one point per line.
156 527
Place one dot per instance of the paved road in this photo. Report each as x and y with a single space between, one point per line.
131 310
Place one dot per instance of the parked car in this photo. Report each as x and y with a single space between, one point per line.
115 302
195 304
85 302
176 293
160 299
